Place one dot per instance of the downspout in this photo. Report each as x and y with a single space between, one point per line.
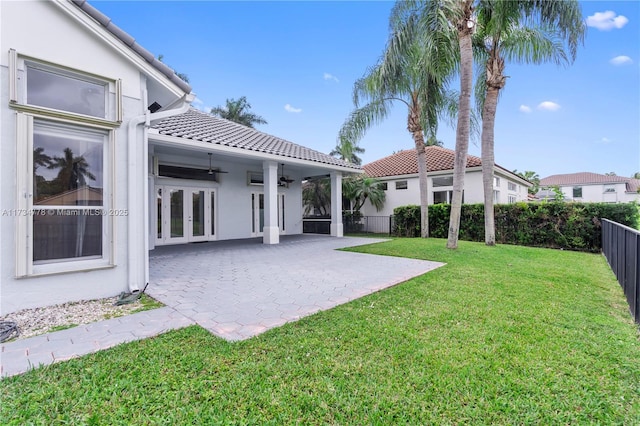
147 118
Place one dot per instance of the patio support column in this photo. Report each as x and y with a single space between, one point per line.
271 232
336 204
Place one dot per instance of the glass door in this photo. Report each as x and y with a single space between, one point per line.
185 214
257 214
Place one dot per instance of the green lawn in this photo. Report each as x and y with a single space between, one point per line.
502 335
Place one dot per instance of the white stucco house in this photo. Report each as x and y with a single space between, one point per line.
102 159
399 174
591 188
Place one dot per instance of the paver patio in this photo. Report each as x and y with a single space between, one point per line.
237 289
234 289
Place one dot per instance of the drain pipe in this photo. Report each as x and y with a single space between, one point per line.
133 237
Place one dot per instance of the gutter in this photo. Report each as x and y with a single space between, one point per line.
133 243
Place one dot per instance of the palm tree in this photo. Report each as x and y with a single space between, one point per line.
237 110
414 70
532 177
73 173
433 141
40 159
348 151
522 32
358 189
636 175
316 195
459 15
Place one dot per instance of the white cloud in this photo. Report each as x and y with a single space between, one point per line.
606 140
621 60
328 76
605 21
548 106
289 108
525 108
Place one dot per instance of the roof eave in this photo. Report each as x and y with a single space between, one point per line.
101 25
194 145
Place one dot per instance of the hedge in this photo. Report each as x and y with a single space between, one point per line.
572 226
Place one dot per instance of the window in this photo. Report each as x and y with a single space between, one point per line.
383 186
577 192
442 181
401 184
609 188
64 127
496 182
512 186
496 197
512 199
442 197
188 173
255 178
55 90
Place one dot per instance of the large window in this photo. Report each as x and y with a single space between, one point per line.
68 186
65 123
401 184
512 186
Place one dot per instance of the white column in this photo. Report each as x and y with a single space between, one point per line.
336 204
271 231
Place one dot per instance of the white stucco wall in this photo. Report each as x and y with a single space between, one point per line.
473 192
595 193
42 30
234 215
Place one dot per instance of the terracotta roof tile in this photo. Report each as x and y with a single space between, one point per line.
406 162
203 127
580 179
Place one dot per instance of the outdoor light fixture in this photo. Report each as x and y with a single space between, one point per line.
210 169
154 107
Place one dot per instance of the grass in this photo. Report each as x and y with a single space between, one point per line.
500 335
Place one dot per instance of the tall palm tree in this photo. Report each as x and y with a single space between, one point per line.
519 31
237 110
460 15
348 151
414 70
358 189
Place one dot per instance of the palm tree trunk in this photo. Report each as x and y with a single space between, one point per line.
464 122
414 126
495 82
488 161
422 179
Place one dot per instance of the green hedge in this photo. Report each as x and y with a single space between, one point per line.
573 226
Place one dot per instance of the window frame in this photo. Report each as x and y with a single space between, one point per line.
27 117
576 190
18 91
402 185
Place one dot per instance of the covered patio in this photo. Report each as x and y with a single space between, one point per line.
237 289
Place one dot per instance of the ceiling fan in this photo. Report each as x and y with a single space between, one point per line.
283 181
211 171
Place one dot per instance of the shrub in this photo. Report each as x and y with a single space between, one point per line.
572 226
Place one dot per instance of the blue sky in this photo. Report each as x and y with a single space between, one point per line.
296 63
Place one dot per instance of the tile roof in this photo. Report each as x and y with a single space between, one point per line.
200 126
106 22
586 178
406 162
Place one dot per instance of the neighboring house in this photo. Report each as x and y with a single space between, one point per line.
399 173
591 187
102 159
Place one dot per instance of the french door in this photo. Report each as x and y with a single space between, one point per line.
185 214
257 214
